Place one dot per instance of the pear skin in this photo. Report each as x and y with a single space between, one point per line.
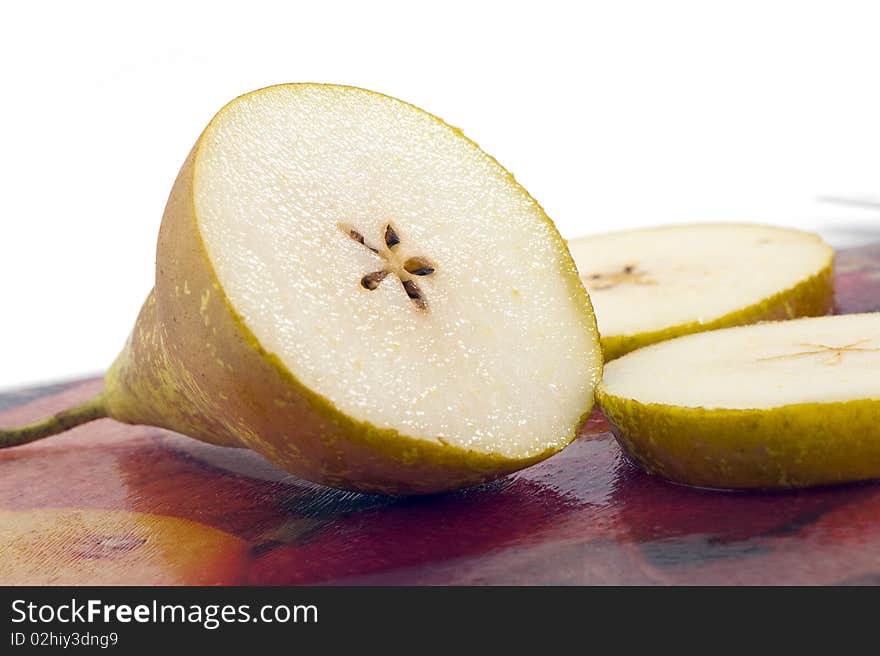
788 447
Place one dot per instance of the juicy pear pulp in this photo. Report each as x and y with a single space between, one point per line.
349 286
784 404
657 283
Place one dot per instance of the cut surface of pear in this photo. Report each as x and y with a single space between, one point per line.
79 546
352 288
297 207
781 404
653 284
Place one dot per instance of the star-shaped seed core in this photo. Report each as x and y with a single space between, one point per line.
394 264
629 274
822 349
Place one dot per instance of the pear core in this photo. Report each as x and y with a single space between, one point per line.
478 335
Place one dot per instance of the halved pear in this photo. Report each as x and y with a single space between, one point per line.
658 283
781 404
352 288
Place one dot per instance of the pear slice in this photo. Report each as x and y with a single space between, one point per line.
782 404
81 546
350 287
658 283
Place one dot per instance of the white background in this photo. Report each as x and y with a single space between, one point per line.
612 114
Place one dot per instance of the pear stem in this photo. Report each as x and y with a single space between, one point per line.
92 409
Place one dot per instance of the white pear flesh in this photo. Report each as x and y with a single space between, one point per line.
781 404
503 357
652 284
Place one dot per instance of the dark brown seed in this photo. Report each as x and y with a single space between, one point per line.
413 291
372 280
391 238
629 268
419 266
358 237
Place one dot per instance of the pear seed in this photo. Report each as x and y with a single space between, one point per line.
413 291
391 238
419 266
371 280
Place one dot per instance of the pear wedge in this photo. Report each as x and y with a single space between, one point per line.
775 405
350 287
654 284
